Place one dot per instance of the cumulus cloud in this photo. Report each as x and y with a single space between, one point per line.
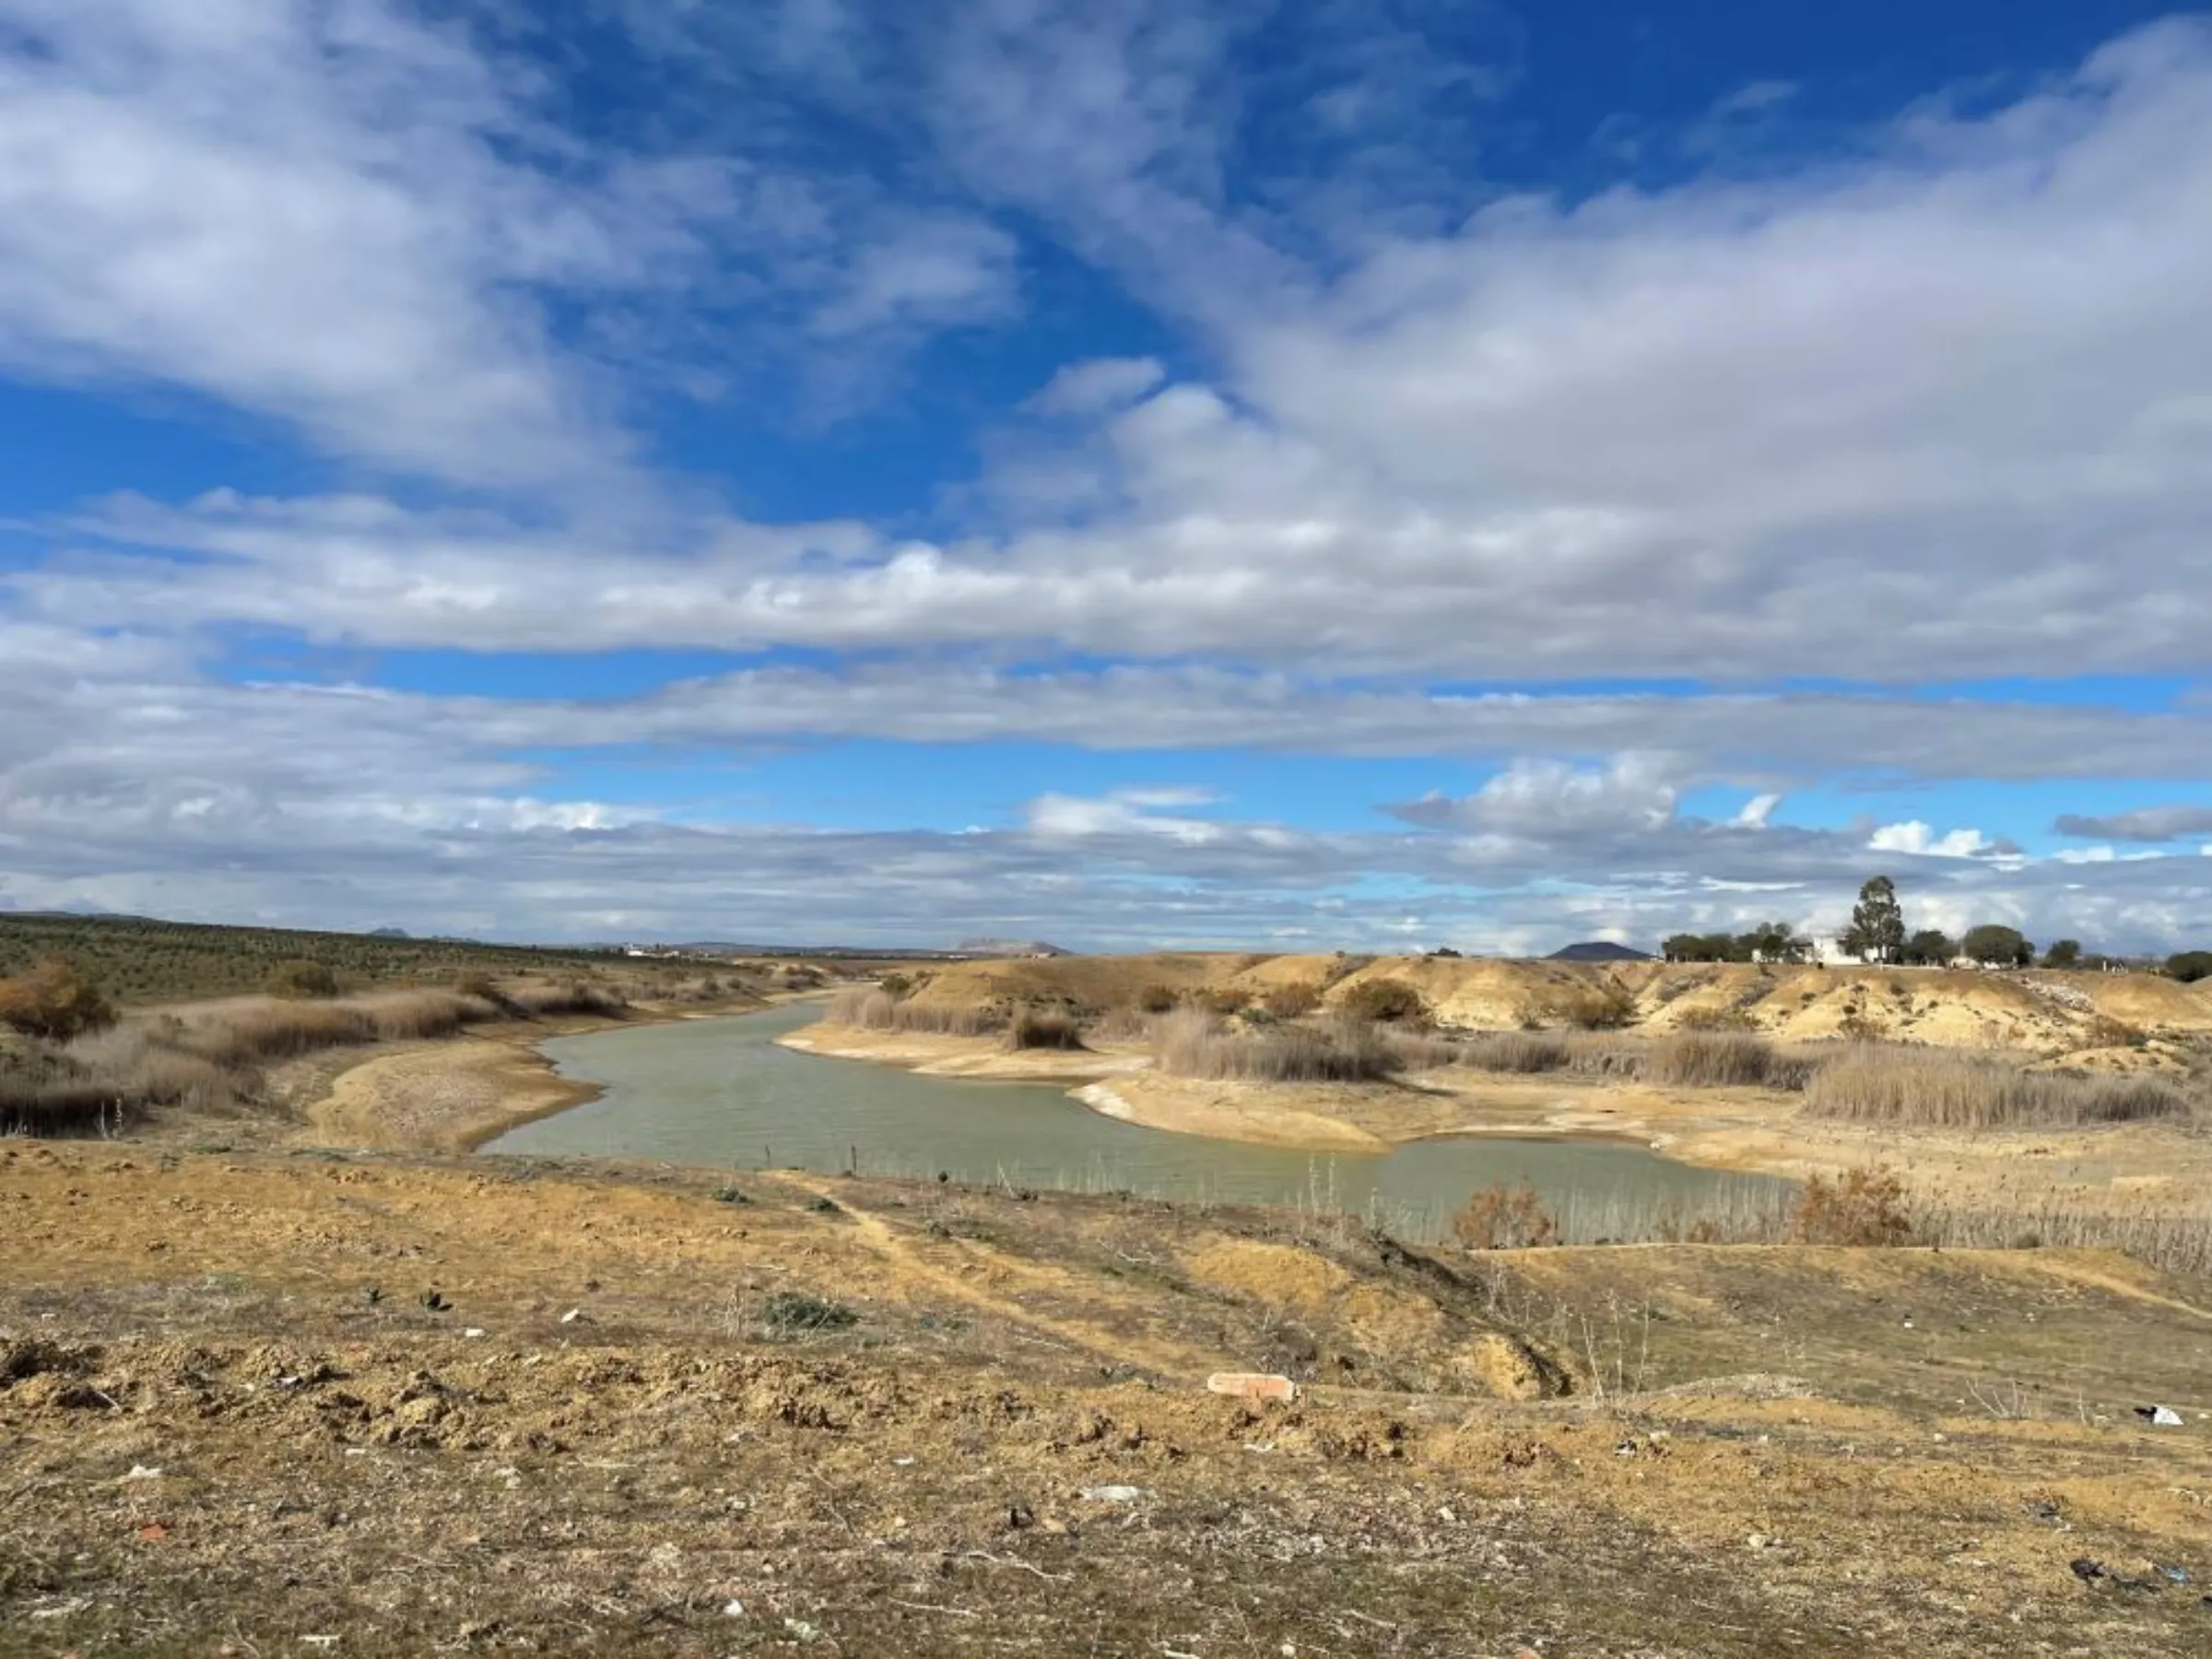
1921 841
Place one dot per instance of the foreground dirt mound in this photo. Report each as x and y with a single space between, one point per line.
264 1405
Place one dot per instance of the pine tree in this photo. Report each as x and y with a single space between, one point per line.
1877 933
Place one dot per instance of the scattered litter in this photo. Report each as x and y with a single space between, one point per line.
357 1450
1626 1449
1760 1541
474 1331
140 1472
76 1604
2040 1508
2087 1570
2163 1416
153 1533
2175 1575
573 1316
325 1642
1262 1446
733 1609
805 1633
902 1463
1252 1385
1113 1494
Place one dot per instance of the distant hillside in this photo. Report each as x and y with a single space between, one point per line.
1599 950
1010 948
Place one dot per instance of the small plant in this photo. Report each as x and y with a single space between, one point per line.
1387 1002
1860 1209
2105 1033
824 1207
1503 1218
1225 1001
1858 1026
730 1194
789 1313
1157 999
896 985
1715 1020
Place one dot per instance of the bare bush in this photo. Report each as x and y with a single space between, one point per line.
300 977
1859 1208
1503 1218
570 997
1931 1090
1386 1001
1601 1007
1292 1001
1716 1020
1045 1028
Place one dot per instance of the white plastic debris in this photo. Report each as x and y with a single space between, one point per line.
140 1472
2165 1417
1112 1494
733 1609
474 1331
571 1316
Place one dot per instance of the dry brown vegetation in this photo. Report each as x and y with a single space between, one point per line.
878 1010
1191 1042
1925 1089
1045 1028
52 1001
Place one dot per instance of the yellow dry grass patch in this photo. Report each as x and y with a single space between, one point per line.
1383 1319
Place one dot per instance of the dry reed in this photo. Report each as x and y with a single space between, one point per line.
1191 1043
1928 1088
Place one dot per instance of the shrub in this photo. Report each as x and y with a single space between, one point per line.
1715 1020
2106 1032
54 1001
1292 1001
896 985
1225 1001
574 996
1503 1218
1858 1026
1045 1028
1158 999
1858 1208
1386 1001
2190 966
1602 1007
300 978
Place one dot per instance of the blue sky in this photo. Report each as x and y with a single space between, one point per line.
1137 473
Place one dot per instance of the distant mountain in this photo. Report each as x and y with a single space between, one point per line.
1599 950
389 933
1010 948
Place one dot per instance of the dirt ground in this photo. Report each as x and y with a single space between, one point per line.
296 1402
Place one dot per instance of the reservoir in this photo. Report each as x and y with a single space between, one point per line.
722 1093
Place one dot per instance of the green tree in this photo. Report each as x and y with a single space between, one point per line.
1997 947
1703 948
1930 948
2063 953
2189 966
1877 933
1772 942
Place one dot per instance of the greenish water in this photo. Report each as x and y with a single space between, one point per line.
721 1092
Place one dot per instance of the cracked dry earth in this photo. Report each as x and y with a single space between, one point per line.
234 1419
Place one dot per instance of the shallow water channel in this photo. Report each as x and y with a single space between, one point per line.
721 1092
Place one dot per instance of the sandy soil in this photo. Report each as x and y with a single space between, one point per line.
406 1406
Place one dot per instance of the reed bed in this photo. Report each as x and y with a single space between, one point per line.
1045 1028
1928 1089
1193 1043
1720 1059
877 1010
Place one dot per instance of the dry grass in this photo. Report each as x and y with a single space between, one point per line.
1928 1088
1723 1059
1191 1043
875 1010
1524 1053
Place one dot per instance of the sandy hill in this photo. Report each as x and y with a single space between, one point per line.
2049 1012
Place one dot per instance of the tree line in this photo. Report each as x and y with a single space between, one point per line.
1877 934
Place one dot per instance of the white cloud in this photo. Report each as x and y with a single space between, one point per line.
1758 810
1097 384
1917 839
